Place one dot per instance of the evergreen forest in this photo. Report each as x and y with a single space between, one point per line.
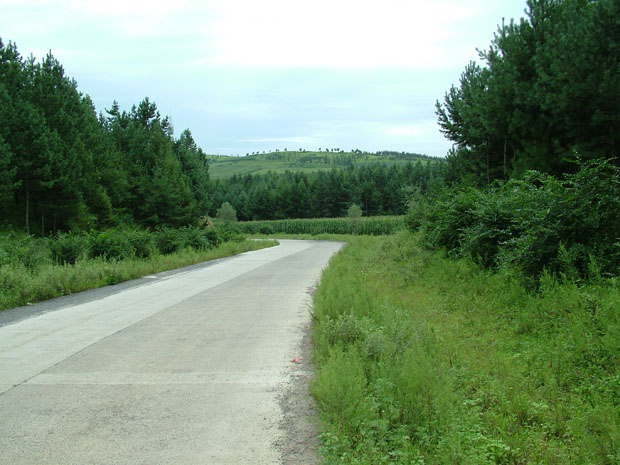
64 167
545 96
379 189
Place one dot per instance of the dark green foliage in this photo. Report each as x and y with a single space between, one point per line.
199 238
68 248
141 241
111 245
377 189
24 250
565 226
448 216
548 90
159 192
62 168
170 240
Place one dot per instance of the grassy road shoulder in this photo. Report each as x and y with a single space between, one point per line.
20 284
426 360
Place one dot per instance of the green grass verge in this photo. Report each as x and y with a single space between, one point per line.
20 285
425 360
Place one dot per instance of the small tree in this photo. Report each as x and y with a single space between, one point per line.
227 213
354 213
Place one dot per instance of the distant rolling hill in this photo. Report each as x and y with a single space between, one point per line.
223 166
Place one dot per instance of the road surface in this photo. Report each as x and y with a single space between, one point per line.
178 368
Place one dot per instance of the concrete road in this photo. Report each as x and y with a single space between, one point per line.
181 368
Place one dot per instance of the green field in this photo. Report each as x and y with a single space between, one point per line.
372 226
224 166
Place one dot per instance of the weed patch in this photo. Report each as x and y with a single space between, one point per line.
422 359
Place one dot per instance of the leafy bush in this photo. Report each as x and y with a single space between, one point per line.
168 240
568 226
449 216
142 242
23 249
195 238
111 245
68 248
215 238
199 238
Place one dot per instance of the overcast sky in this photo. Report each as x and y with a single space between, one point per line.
248 75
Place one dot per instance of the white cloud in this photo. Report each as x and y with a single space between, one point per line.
340 34
415 130
239 73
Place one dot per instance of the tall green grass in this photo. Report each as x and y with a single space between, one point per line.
425 360
374 225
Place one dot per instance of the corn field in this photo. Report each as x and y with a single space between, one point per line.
373 226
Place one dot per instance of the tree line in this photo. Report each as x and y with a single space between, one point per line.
546 96
64 167
378 189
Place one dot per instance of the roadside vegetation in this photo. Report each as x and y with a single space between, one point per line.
350 225
428 360
473 317
35 269
489 332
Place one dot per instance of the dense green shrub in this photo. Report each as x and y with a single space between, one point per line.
111 245
568 225
205 238
23 249
195 238
448 216
170 240
141 241
215 237
68 248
